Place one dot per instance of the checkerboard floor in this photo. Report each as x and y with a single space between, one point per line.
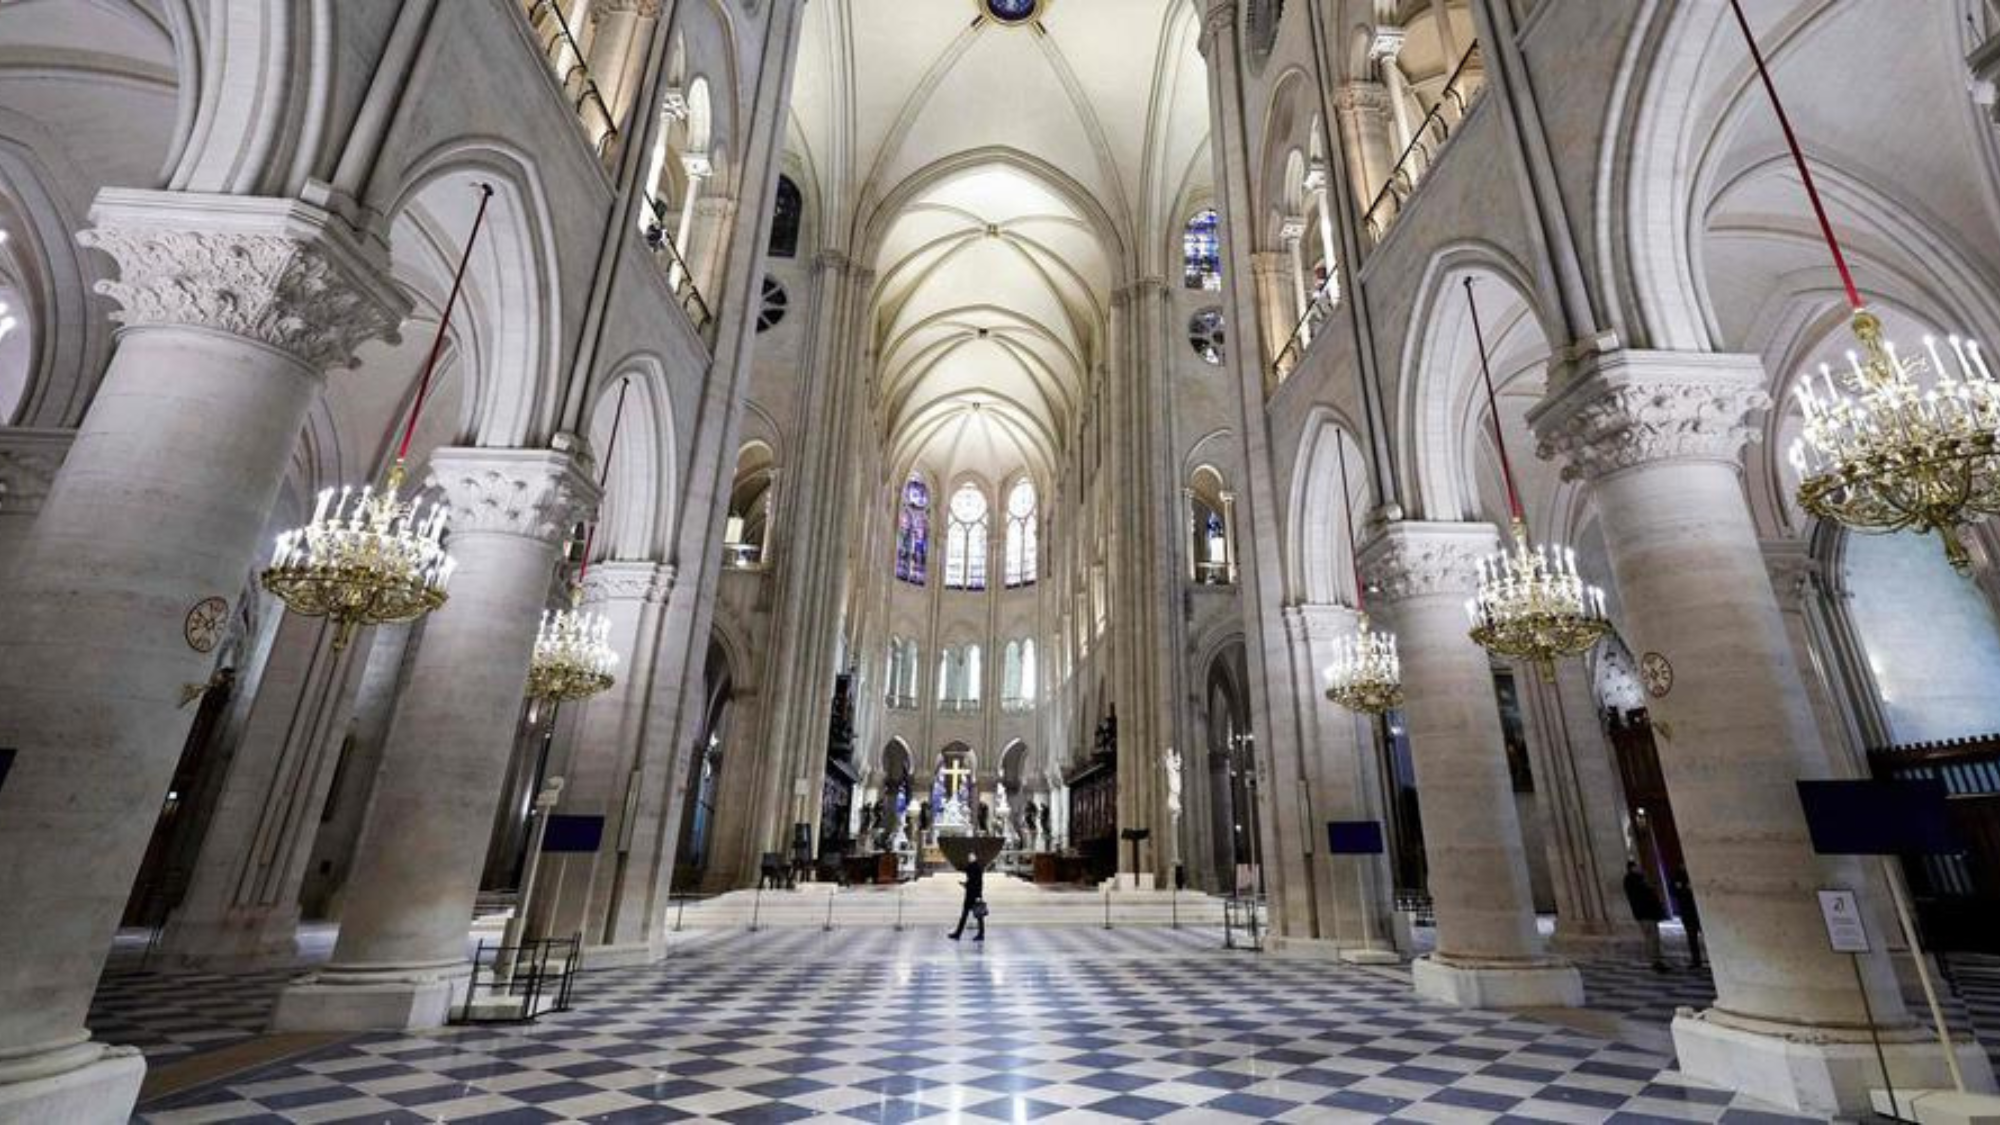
1069 1024
172 1016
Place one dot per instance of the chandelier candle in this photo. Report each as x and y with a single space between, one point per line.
1366 674
1531 603
1885 453
573 655
372 558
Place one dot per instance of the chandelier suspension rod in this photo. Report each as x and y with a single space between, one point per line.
444 325
603 478
1493 408
1347 515
1854 300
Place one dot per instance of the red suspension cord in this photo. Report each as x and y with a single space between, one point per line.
1799 158
1493 408
1347 514
444 325
603 478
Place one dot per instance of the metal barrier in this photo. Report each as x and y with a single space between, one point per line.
1245 913
522 981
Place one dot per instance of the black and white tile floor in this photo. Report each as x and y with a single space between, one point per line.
1070 1024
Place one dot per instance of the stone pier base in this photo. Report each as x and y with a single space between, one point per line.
1818 1071
101 1092
1528 984
387 999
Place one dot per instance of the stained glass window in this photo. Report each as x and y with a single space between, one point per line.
1010 673
1021 545
965 540
1028 670
913 533
1012 11
1201 249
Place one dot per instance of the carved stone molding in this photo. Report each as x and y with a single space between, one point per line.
536 493
1220 17
1361 96
279 272
1319 621
1793 569
621 581
1415 560
1624 408
28 463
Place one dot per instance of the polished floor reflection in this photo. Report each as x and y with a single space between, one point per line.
1059 1023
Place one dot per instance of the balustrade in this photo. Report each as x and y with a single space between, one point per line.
572 73
1460 93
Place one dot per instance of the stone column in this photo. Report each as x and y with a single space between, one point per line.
231 310
1364 109
1384 49
1583 810
1319 181
401 958
1293 234
1488 953
621 30
1192 545
241 909
698 169
615 763
29 459
1229 535
1657 435
1273 298
1356 902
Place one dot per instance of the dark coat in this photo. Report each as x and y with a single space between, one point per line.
1639 895
1683 893
975 881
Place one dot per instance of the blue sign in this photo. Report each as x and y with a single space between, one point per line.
1878 817
1354 837
573 834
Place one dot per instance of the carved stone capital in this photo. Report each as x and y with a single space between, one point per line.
1361 96
1415 560
534 493
1624 408
29 459
620 581
644 9
1218 20
279 272
1385 43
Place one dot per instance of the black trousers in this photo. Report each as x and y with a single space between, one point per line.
966 912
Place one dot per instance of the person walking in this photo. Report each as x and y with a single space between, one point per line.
1647 911
975 901
1683 892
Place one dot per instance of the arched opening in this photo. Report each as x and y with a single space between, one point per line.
1211 539
711 742
746 532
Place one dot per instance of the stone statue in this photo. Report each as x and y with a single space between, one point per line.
1172 760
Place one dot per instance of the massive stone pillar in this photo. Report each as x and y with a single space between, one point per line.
1582 810
1364 110
29 459
1657 436
1489 954
241 909
616 768
401 958
1354 898
231 310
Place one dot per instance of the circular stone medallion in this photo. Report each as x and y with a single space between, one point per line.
1011 11
205 624
1657 673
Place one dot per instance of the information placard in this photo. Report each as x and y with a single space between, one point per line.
1845 931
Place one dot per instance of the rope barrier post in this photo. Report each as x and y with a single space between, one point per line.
828 927
756 906
1107 908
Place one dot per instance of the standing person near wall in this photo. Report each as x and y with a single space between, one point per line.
975 901
1647 911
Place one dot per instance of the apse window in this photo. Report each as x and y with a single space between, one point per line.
776 301
1205 335
913 533
1201 252
965 540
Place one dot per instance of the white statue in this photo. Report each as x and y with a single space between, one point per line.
1172 760
1001 810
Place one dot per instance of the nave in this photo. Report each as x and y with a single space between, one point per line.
1063 1023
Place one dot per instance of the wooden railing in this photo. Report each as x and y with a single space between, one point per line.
572 74
1461 92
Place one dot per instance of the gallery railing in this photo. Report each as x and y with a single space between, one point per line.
572 74
1460 93
676 268
1319 308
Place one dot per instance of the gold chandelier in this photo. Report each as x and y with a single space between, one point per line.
1884 452
372 558
1531 603
1366 674
367 558
573 654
